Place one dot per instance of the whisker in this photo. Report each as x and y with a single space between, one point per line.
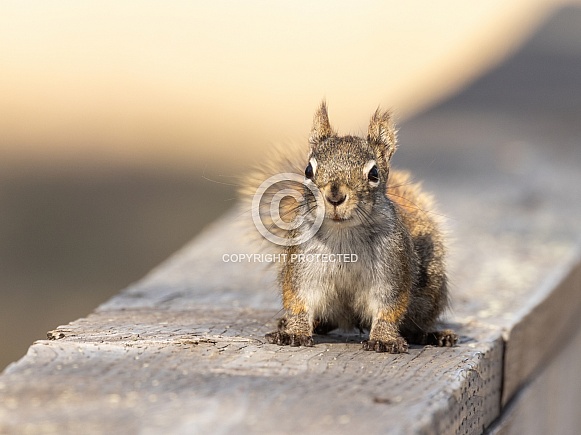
219 182
413 205
284 215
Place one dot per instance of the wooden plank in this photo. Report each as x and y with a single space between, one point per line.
546 328
209 369
549 402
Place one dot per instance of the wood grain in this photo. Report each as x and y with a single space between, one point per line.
209 370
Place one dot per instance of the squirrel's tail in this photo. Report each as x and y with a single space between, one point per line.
265 199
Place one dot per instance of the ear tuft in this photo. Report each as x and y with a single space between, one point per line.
321 127
382 134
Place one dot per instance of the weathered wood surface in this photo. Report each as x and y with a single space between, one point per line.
549 402
182 351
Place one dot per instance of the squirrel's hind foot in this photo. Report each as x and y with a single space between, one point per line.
443 338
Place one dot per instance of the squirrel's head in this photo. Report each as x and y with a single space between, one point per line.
351 172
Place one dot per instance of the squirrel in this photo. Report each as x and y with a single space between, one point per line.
397 286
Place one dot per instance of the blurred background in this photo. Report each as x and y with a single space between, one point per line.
124 126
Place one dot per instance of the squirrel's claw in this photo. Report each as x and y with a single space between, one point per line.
397 345
284 339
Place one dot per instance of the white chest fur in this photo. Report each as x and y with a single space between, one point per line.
338 276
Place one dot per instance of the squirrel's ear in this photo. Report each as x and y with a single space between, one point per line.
382 134
321 127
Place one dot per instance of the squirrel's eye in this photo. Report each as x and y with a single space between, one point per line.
373 175
309 171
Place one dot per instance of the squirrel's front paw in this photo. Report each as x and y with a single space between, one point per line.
285 339
396 345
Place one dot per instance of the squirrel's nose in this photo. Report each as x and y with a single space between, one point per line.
336 199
